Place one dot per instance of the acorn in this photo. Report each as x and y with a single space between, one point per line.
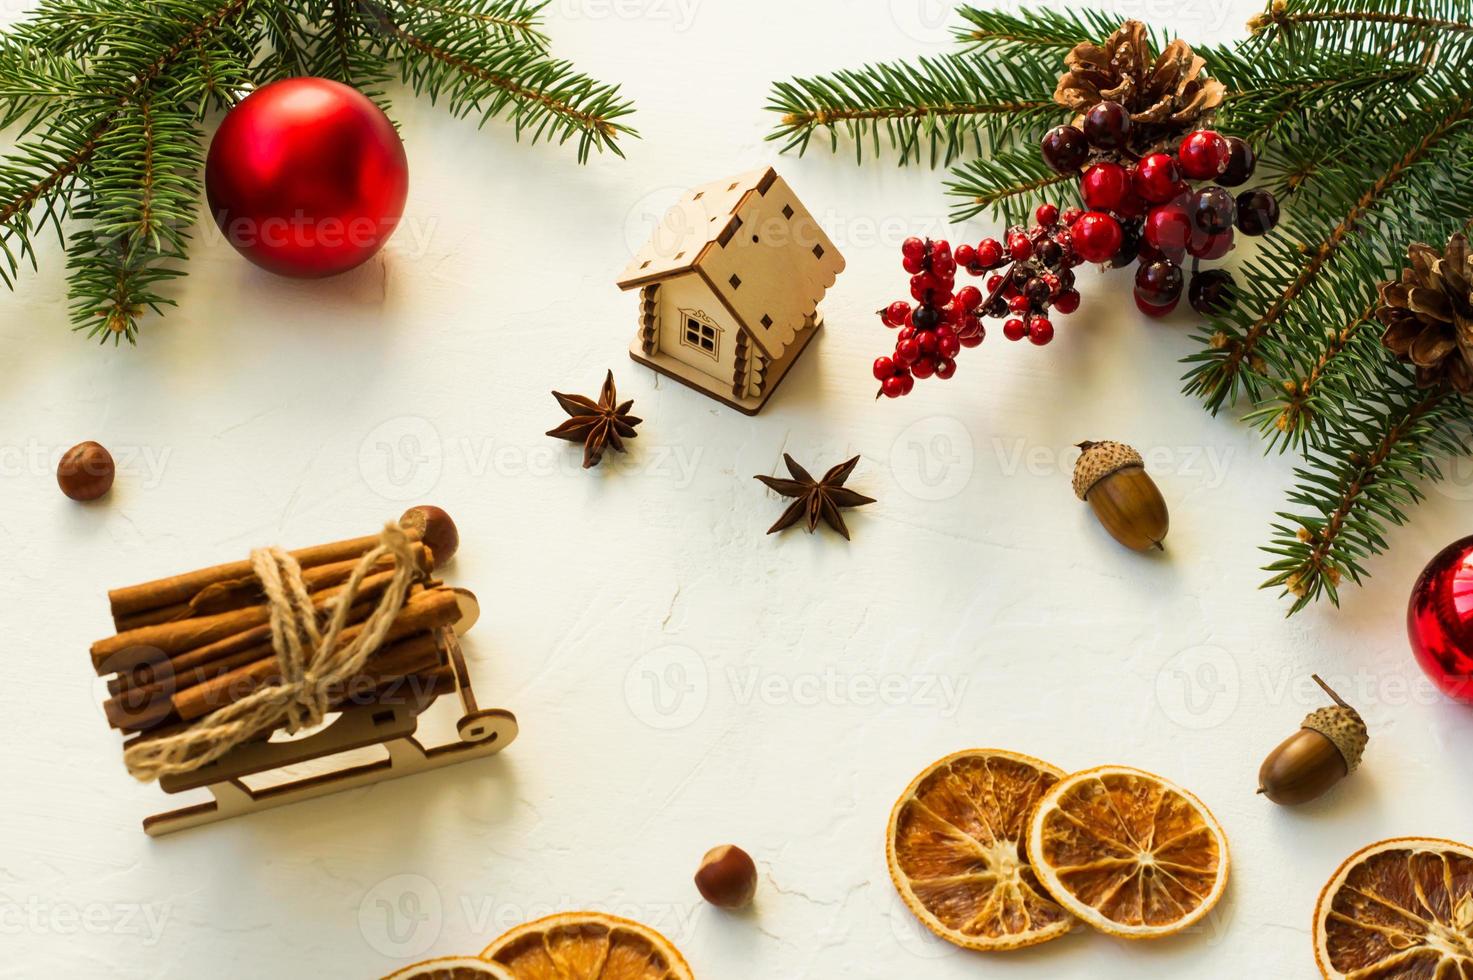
1112 477
1326 749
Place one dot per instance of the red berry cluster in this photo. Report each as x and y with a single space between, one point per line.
1159 216
1039 276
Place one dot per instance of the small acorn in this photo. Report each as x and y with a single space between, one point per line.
1326 749
1112 477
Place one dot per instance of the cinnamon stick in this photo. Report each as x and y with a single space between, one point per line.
144 705
177 589
126 650
242 592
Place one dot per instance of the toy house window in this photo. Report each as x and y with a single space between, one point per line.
704 337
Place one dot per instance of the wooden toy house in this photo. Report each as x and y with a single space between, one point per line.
729 288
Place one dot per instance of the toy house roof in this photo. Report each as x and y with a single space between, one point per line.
755 244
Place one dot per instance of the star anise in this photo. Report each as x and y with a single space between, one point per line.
596 424
816 498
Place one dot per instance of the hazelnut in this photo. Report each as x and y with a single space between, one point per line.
435 528
86 471
727 877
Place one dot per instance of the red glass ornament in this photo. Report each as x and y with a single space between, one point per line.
306 177
1440 620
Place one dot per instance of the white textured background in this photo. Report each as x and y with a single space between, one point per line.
681 679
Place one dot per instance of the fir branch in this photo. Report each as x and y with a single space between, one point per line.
545 98
1047 34
1361 482
1010 184
1282 17
935 109
513 21
142 190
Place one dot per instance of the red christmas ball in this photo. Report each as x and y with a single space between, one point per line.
306 177
1440 620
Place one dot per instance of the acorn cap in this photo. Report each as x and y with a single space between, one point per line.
1345 730
1099 460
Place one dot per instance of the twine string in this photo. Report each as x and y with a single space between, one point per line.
312 662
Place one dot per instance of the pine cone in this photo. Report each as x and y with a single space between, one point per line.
1167 94
1428 314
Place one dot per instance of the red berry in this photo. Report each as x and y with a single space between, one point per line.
989 253
1015 329
1019 247
945 368
1071 215
974 339
1064 149
968 326
906 351
923 368
944 266
1203 154
1096 236
940 247
914 263
897 312
968 298
1019 304
1157 177
893 386
922 285
910 383
1107 125
993 281
927 341
948 345
907 332
966 256
1104 186
1168 228
1040 330
884 368
1046 214
1067 301
913 248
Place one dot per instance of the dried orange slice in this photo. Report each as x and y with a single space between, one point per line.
1128 852
956 856
587 946
452 968
1402 908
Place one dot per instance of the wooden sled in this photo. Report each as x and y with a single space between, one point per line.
391 722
